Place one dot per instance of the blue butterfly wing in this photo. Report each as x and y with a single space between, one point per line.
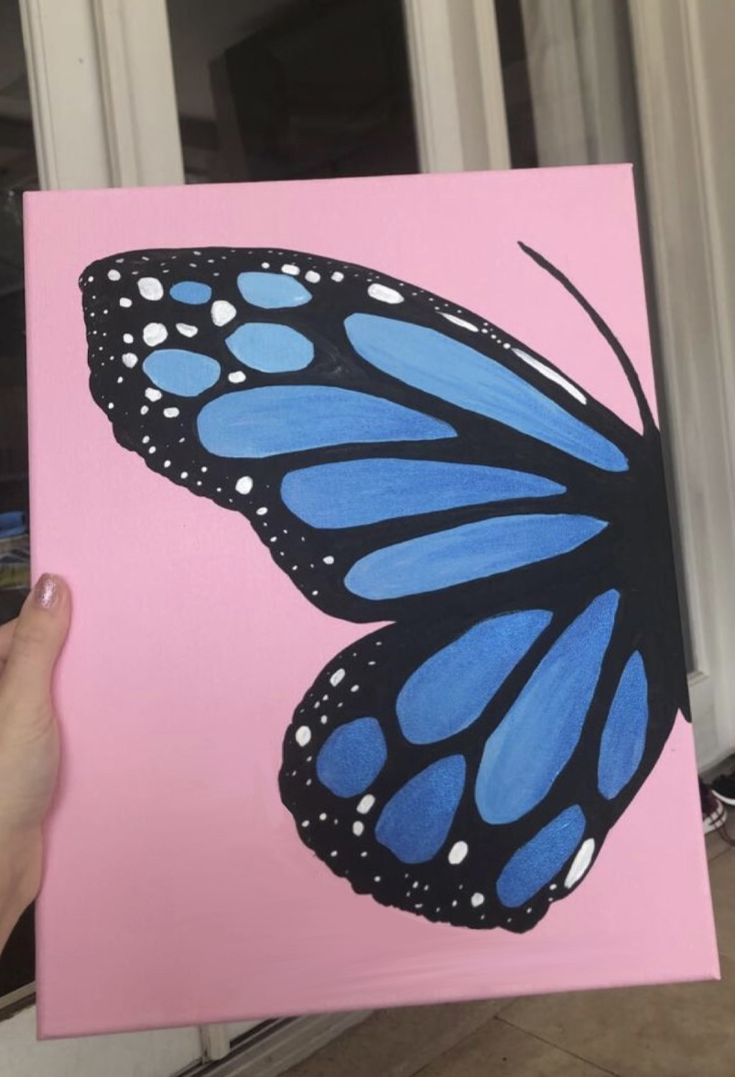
368 430
469 773
403 459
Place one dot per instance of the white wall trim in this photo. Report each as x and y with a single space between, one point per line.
697 345
136 69
457 85
491 84
102 92
436 108
68 119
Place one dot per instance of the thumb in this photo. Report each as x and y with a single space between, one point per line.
38 638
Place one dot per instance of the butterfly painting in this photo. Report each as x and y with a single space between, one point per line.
406 462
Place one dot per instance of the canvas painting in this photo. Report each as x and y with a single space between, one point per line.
376 691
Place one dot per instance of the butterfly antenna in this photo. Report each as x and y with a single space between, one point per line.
601 325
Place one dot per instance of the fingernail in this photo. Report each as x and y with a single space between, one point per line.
46 591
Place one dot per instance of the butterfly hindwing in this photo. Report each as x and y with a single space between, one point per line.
469 772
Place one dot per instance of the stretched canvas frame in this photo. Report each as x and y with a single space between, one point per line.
456 237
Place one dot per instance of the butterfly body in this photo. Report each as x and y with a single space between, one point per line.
404 460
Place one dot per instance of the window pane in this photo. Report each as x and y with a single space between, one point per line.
286 90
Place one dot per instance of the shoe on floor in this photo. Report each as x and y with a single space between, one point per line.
714 813
724 788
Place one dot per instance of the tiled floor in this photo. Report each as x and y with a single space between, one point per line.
679 1031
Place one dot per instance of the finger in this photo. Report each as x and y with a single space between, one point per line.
6 638
39 635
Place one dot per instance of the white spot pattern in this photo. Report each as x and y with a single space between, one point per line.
458 852
460 322
385 294
222 312
154 333
150 288
581 863
552 375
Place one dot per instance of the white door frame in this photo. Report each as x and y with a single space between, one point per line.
694 285
102 92
457 84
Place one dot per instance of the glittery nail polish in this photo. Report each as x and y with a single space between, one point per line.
46 591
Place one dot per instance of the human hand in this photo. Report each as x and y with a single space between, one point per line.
29 745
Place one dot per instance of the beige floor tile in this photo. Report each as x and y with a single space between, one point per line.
499 1048
715 845
722 881
397 1043
682 1030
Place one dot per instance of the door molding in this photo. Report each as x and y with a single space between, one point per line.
102 92
694 286
457 85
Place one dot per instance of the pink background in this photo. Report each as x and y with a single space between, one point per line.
176 889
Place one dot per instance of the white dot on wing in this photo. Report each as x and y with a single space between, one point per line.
384 294
458 852
150 288
154 333
222 312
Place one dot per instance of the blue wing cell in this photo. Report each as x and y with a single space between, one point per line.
272 291
271 348
624 734
535 740
352 757
450 690
536 863
436 363
415 822
184 373
359 492
468 552
192 292
277 419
